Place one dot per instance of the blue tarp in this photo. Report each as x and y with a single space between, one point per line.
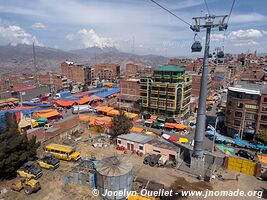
64 94
241 143
35 104
219 76
69 99
108 93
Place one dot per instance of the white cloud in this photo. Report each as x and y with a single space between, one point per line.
246 43
16 35
249 33
89 38
39 26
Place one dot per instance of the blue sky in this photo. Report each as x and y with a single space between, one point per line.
137 26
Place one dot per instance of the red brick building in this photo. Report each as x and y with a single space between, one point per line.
106 71
246 109
130 89
196 81
58 82
76 72
132 69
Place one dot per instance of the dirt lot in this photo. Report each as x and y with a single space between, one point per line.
54 187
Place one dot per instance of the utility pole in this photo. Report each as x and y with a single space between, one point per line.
208 22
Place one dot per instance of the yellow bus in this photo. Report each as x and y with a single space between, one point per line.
63 152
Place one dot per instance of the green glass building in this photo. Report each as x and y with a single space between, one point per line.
167 92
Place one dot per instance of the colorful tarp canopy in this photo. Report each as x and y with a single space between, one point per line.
108 93
46 113
4 102
113 113
137 129
153 117
27 122
104 109
84 99
101 121
131 115
84 118
262 159
173 125
64 103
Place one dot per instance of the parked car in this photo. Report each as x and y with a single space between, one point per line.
245 154
35 100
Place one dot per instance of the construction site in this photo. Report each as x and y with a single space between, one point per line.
75 180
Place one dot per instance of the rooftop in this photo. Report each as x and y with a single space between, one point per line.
134 137
170 68
249 88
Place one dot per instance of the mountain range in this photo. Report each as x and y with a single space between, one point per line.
19 59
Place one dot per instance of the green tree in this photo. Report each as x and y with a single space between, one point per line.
15 148
261 136
85 88
122 125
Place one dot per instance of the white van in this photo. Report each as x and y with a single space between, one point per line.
82 109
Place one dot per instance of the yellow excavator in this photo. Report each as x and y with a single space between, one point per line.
29 186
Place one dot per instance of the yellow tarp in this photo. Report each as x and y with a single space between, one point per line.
84 118
131 115
113 113
151 133
137 129
27 122
262 159
104 109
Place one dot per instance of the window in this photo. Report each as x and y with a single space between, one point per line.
237 122
157 151
263 126
250 106
265 100
264 117
119 141
264 109
238 114
239 105
141 147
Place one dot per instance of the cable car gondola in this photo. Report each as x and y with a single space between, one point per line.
220 54
196 46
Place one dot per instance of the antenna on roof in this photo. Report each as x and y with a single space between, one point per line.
34 63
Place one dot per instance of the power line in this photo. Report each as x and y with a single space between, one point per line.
170 12
207 7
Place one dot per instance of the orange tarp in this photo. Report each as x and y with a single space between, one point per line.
136 129
46 113
262 159
94 97
101 121
113 113
180 126
104 109
84 99
84 118
153 117
65 103
169 125
173 125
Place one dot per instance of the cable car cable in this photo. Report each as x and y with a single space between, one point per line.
170 12
207 6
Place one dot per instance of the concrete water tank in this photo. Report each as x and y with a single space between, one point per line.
115 177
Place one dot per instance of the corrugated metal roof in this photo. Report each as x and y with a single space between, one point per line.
113 166
171 68
139 138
